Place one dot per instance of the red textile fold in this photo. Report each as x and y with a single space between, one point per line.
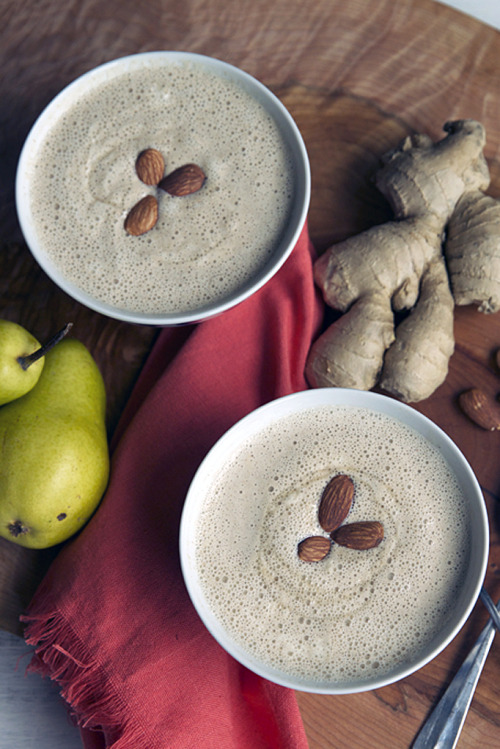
112 621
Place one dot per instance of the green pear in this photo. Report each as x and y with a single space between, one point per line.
21 359
54 462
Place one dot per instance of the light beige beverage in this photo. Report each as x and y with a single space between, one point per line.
355 615
206 246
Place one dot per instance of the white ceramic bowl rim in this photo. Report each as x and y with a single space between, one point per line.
271 103
253 423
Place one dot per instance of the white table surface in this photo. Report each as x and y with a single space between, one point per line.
32 714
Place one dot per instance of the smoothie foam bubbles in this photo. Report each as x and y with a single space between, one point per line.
357 619
209 250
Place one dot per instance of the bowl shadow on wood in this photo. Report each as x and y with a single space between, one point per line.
345 137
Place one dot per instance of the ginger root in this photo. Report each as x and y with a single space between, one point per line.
350 351
422 178
419 357
399 266
472 250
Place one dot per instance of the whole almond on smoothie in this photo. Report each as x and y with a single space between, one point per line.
314 548
361 535
142 217
150 166
185 180
335 502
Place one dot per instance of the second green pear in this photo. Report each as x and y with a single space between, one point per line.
15 343
54 464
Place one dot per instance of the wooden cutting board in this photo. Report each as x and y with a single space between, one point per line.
357 76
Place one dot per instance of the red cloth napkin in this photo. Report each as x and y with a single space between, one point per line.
112 621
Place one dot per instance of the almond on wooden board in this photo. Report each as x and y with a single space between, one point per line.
314 548
335 502
365 534
482 410
142 217
150 166
185 180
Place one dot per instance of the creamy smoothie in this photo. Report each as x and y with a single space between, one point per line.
205 246
355 614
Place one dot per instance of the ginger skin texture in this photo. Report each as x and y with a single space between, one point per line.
413 364
399 266
472 250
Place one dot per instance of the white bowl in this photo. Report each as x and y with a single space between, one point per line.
66 99
228 446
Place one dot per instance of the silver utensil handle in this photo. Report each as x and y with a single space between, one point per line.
493 611
442 729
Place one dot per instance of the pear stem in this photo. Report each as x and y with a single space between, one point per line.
27 361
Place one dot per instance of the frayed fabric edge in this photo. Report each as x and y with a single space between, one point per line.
60 655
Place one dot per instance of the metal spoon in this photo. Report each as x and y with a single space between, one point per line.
493 610
442 729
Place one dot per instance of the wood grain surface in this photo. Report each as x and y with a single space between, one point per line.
357 76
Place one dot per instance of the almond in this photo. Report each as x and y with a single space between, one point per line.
335 502
314 548
142 217
185 180
480 409
150 166
361 535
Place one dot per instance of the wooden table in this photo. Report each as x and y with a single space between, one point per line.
357 76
